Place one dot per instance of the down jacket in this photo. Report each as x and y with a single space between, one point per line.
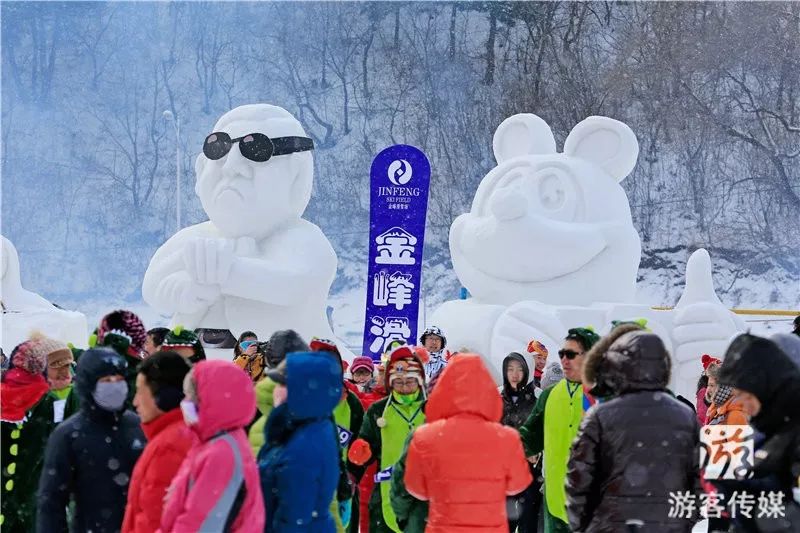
168 442
758 366
448 464
637 447
90 457
299 464
217 486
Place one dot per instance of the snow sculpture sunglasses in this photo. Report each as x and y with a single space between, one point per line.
254 146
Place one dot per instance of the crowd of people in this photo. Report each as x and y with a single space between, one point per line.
140 433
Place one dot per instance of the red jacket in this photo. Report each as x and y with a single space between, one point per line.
463 461
168 442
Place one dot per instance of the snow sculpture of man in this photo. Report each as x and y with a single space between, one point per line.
25 311
256 264
549 244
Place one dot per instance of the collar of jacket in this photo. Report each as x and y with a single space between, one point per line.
157 425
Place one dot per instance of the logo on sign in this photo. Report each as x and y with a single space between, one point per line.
400 172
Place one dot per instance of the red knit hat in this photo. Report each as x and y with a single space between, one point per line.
708 360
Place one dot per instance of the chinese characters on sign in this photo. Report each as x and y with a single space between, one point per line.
399 181
726 452
740 504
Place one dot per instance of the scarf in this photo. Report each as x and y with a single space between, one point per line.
723 394
20 391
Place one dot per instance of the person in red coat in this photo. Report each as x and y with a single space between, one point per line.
463 461
159 391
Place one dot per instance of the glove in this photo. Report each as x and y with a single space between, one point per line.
345 508
360 452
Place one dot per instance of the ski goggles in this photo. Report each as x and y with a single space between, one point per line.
254 146
246 344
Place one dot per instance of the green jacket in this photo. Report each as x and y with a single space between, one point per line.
552 427
411 513
264 390
371 432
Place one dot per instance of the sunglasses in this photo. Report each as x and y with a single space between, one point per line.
569 354
254 146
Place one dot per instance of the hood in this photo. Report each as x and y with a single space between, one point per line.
756 365
627 359
514 356
314 383
281 343
465 387
790 344
94 364
225 396
264 389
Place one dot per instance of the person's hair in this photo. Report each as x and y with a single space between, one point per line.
237 350
164 369
702 382
158 334
713 371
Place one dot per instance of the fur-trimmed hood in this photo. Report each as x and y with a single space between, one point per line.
629 358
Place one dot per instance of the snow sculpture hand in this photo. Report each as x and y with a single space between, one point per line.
702 324
700 316
195 297
209 261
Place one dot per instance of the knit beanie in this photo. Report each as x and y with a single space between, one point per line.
708 360
586 336
31 355
59 353
553 373
124 332
536 347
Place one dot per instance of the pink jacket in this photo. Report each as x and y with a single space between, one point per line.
208 488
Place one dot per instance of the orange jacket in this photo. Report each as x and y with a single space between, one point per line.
463 460
731 413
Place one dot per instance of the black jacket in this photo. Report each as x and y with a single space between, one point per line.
758 366
89 457
637 447
517 404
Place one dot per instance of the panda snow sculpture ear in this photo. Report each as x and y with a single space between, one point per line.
607 143
523 134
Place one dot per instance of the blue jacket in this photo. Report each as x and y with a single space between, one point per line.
299 464
90 457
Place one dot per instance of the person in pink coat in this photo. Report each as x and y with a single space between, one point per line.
217 487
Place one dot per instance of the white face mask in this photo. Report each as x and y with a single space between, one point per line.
110 396
189 410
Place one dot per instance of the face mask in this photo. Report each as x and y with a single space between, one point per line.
110 396
189 410
406 399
